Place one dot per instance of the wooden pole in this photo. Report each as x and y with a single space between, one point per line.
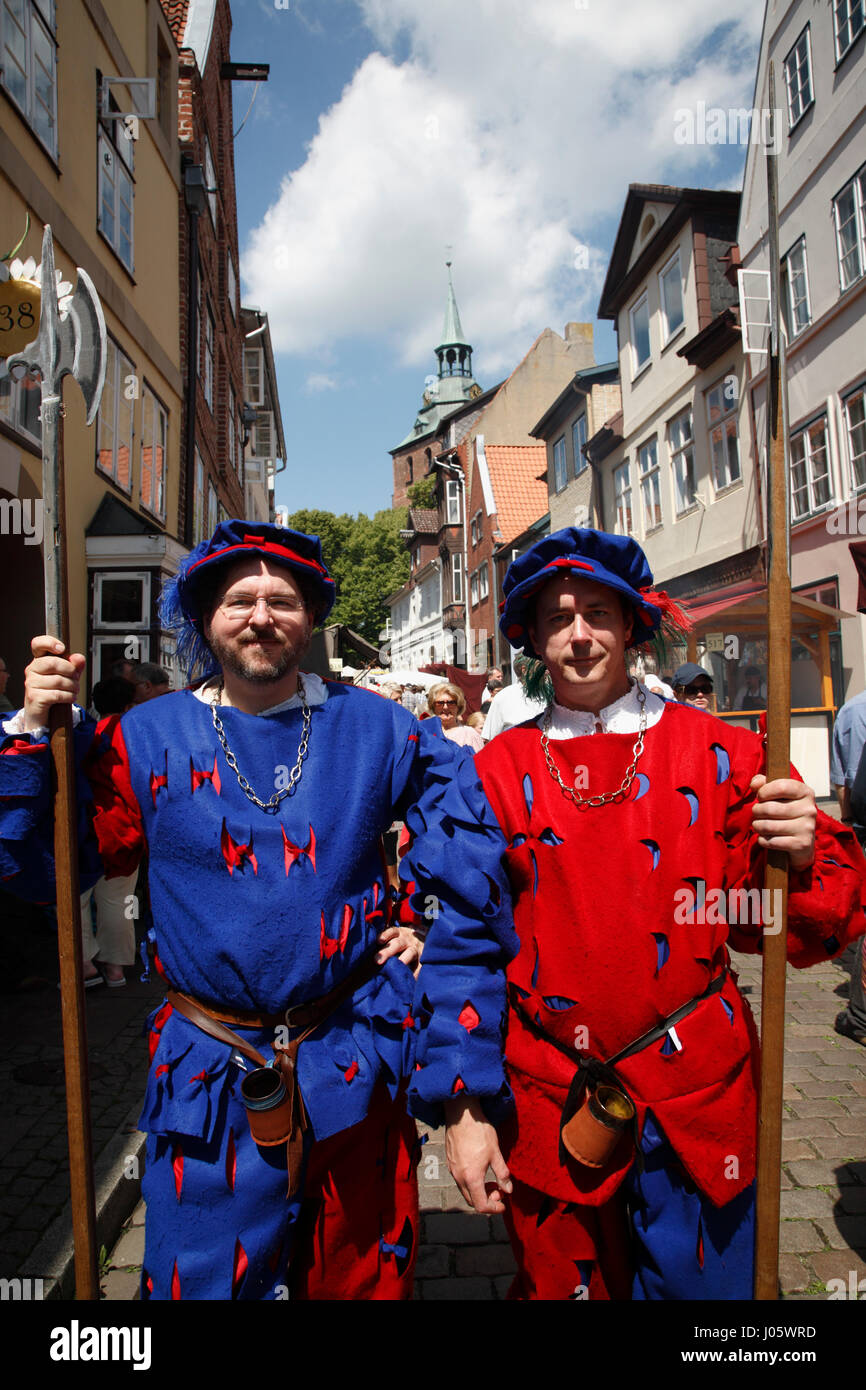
768 1194
81 1182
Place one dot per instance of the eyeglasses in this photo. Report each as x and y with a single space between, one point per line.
699 690
443 704
244 605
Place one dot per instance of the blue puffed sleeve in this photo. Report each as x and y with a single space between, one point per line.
456 860
26 815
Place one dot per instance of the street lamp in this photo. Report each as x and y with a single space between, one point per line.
457 472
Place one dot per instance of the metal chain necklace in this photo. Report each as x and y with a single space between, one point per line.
274 801
581 802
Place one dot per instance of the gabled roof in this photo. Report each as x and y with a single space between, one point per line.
521 498
622 279
581 384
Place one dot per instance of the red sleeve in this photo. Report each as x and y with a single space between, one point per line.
117 816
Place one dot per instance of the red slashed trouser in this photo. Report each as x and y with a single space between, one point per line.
358 1228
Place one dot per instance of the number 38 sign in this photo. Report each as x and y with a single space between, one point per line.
19 315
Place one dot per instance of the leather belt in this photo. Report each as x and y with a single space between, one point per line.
305 1017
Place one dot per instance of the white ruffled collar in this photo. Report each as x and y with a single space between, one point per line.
621 717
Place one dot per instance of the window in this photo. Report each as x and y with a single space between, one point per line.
28 64
477 529
210 181
212 509
622 499
209 334
810 472
795 290
849 20
682 446
671 299
848 209
452 502
578 439
114 429
649 485
232 430
798 78
640 335
154 441
473 588
198 501
254 383
483 581
560 469
20 403
231 284
854 408
121 599
724 444
116 188
456 578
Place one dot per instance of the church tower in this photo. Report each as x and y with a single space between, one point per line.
453 386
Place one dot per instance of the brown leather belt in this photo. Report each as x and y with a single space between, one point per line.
307 1017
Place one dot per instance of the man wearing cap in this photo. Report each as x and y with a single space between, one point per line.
632 829
693 685
262 794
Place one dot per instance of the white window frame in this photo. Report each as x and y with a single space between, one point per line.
129 625
847 10
39 19
231 283
14 398
456 577
209 349
649 473
794 70
212 508
857 393
790 274
682 451
198 499
715 427
857 187
109 639
622 499
483 582
803 438
473 588
639 365
210 181
452 502
670 331
560 464
150 402
118 368
578 429
115 174
254 382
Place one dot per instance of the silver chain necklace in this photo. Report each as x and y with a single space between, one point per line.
581 802
274 801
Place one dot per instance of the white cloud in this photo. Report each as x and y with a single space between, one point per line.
320 381
510 132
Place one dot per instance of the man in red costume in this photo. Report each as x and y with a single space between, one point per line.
635 835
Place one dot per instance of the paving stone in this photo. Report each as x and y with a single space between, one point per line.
457 1290
806 1202
796 1237
453 1228
795 1043
795 1148
433 1262
838 1264
814 1090
819 1172
129 1250
844 1146
485 1259
806 1128
818 1109
793 1276
850 1124
843 1232
122 1286
835 1073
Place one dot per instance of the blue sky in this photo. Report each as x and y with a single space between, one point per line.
390 129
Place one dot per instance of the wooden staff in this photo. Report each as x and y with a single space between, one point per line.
69 345
768 1193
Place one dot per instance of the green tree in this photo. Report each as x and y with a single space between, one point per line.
422 494
367 560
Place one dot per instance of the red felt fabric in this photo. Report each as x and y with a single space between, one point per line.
589 964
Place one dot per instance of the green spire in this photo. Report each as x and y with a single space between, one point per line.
452 330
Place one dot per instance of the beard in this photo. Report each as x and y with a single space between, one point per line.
240 657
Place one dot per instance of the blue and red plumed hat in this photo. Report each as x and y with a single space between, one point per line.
180 602
615 561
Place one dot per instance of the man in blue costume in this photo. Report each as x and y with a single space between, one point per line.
262 795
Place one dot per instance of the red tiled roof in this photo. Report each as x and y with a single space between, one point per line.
422 519
176 12
520 496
